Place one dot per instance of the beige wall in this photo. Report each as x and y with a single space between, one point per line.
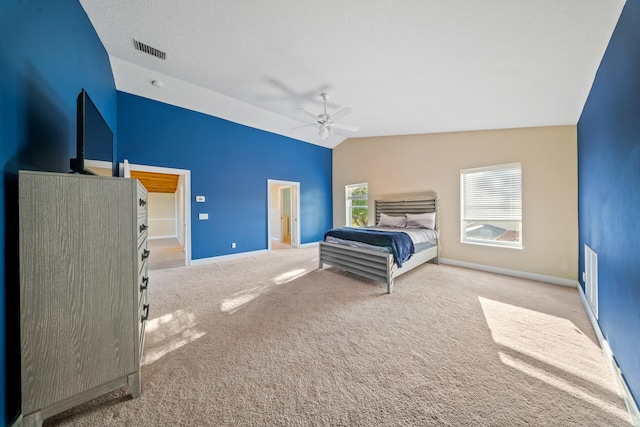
162 215
414 164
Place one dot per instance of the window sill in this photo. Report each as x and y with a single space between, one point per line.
492 245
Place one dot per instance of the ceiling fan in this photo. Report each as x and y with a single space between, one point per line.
326 122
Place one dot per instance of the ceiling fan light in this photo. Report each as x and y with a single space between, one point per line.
324 132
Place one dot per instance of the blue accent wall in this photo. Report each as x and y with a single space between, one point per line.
230 164
609 191
49 51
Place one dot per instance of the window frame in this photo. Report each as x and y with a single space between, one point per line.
349 206
506 211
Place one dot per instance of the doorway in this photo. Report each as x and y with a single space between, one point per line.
182 208
285 215
283 205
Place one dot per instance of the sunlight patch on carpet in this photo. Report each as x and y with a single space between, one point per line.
168 333
549 339
561 384
231 305
236 301
539 344
289 276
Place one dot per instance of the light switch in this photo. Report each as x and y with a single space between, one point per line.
203 216
199 199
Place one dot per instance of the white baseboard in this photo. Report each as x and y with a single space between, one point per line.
514 273
629 402
309 245
162 237
227 257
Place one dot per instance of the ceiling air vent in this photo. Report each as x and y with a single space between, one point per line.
150 50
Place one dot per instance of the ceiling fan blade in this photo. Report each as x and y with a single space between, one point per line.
346 127
308 113
304 126
342 113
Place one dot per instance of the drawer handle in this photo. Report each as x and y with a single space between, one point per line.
142 202
145 313
144 284
143 227
145 254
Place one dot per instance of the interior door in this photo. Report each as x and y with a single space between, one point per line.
285 214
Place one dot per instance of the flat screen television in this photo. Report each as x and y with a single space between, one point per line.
94 141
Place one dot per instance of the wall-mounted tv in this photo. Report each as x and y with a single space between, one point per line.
94 141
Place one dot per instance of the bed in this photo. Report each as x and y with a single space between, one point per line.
379 263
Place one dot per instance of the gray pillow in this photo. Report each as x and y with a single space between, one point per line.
392 221
423 220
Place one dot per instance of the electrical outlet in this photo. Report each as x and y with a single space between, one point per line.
233 245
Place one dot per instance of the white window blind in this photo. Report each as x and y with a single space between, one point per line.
492 204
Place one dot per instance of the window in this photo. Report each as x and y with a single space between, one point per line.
357 205
491 205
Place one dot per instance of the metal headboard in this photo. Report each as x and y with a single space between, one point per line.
411 206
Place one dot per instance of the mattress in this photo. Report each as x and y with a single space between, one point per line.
422 239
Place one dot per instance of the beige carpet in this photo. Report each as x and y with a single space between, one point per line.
270 340
165 253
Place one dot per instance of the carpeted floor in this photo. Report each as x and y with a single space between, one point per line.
270 340
165 253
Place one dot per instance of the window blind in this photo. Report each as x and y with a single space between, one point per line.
357 191
493 193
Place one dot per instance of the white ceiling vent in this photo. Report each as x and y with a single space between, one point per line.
150 50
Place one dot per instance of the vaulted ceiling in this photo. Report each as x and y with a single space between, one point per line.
405 67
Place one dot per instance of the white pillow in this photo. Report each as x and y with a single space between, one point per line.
424 220
392 221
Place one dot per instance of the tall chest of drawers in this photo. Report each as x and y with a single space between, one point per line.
83 289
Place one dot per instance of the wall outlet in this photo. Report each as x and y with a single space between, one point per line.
199 199
203 216
233 245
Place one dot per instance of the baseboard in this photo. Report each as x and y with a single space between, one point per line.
514 273
227 257
162 237
630 403
309 245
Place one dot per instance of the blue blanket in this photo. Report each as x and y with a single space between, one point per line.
400 243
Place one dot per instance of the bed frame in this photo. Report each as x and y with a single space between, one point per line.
377 265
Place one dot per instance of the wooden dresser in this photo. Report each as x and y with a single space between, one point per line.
83 289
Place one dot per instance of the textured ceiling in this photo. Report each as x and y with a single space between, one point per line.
405 67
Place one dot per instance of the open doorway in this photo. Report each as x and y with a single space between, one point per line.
169 211
283 205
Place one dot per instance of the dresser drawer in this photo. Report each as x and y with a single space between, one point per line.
142 200
143 283
141 228
143 311
143 255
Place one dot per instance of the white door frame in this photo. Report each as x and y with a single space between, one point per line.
180 217
295 209
289 212
125 169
